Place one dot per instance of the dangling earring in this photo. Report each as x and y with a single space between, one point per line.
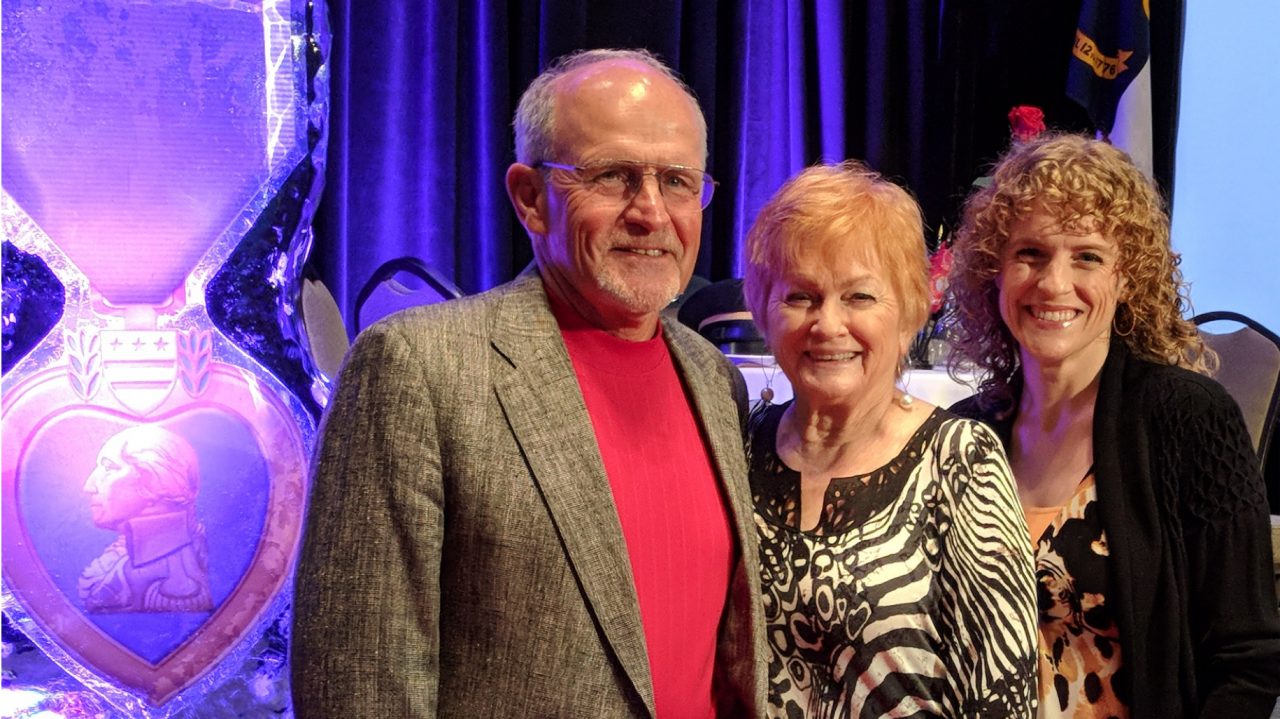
905 400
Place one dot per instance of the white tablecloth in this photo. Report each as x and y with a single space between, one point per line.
931 385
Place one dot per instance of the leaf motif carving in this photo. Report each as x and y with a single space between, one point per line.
84 363
195 356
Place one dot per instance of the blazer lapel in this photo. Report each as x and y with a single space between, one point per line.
543 405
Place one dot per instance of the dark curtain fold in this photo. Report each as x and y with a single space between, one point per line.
422 97
1168 18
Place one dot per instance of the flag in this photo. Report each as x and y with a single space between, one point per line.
1110 73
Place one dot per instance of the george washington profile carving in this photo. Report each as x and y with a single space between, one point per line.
144 486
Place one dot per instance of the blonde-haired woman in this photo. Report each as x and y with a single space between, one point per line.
897 578
1146 511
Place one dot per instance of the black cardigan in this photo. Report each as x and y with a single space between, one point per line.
1189 533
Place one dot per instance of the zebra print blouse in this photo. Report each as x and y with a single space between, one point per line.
913 596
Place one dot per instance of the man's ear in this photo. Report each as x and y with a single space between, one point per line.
528 198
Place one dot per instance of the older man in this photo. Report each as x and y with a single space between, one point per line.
533 502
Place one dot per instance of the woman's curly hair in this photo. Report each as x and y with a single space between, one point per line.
1088 186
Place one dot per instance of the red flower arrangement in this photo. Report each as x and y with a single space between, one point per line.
1025 122
939 269
940 263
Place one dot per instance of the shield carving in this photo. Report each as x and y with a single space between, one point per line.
139 366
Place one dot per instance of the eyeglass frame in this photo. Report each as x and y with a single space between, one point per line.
709 183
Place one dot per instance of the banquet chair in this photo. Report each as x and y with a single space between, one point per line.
696 282
719 313
399 284
1250 372
326 333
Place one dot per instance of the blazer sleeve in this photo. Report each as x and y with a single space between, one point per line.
1235 629
988 558
366 608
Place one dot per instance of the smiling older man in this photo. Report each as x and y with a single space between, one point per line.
533 502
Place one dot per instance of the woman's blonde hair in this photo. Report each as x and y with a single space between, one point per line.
1088 186
831 205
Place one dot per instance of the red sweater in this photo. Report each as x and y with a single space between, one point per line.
669 503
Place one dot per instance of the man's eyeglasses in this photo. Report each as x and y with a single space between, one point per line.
621 180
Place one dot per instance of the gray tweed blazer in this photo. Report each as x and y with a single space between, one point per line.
463 556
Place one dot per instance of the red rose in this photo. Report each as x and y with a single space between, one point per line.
1025 122
939 270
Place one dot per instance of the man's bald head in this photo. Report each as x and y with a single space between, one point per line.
535 118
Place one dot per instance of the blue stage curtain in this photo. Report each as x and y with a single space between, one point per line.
423 92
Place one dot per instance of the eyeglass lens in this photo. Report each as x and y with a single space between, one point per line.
622 180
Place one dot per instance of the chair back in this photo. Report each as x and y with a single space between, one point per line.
399 284
719 313
326 332
1250 372
696 282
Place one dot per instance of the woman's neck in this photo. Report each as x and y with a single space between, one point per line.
840 439
1051 447
1060 380
1050 393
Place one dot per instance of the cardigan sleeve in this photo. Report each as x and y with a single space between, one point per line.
1235 628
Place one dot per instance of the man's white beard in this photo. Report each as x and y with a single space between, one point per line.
647 299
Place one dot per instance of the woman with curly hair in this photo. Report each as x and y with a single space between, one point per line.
1147 514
